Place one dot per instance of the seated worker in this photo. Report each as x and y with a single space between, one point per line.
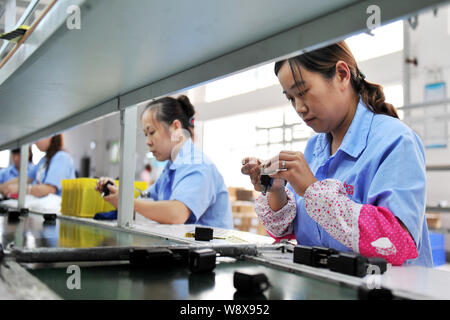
360 183
46 176
12 171
190 189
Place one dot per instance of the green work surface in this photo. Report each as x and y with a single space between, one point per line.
132 283
122 281
32 231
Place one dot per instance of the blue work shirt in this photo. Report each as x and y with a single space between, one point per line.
381 162
11 172
60 167
195 181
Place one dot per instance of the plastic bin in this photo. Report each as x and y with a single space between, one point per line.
437 242
79 197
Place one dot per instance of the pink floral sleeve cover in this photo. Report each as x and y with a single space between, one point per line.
366 229
278 224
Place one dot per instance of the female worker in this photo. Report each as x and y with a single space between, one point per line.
190 189
360 184
45 177
12 171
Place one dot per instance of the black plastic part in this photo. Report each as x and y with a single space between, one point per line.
4 209
203 234
202 260
50 216
266 182
24 211
303 255
49 222
181 256
105 189
13 215
379 263
250 283
2 253
348 263
151 258
320 256
374 294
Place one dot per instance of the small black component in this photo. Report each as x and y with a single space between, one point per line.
49 216
349 263
24 211
266 182
181 256
377 265
303 255
105 190
203 234
2 253
4 209
13 215
153 258
374 294
321 255
202 260
250 283
49 222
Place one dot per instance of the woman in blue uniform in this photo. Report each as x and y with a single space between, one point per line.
46 176
12 171
360 184
190 189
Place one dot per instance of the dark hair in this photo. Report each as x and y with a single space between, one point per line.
56 144
169 109
30 153
324 62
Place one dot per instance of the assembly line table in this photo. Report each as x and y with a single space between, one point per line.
117 280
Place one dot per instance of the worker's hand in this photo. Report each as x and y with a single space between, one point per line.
102 181
11 189
113 196
293 168
252 168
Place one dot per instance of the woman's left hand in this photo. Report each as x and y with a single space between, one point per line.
294 169
11 189
113 196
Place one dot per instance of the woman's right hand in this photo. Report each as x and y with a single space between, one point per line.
102 181
252 168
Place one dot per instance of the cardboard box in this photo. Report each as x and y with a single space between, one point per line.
248 222
433 220
244 195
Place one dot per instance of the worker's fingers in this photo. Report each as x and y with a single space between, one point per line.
250 168
102 181
250 160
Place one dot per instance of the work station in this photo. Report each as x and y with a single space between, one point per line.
224 151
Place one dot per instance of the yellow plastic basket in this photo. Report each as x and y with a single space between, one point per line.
79 197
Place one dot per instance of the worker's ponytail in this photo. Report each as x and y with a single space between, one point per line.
56 144
169 109
373 96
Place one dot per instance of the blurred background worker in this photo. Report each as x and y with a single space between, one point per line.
45 178
12 171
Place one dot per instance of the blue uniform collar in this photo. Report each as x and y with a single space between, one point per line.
355 140
184 155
